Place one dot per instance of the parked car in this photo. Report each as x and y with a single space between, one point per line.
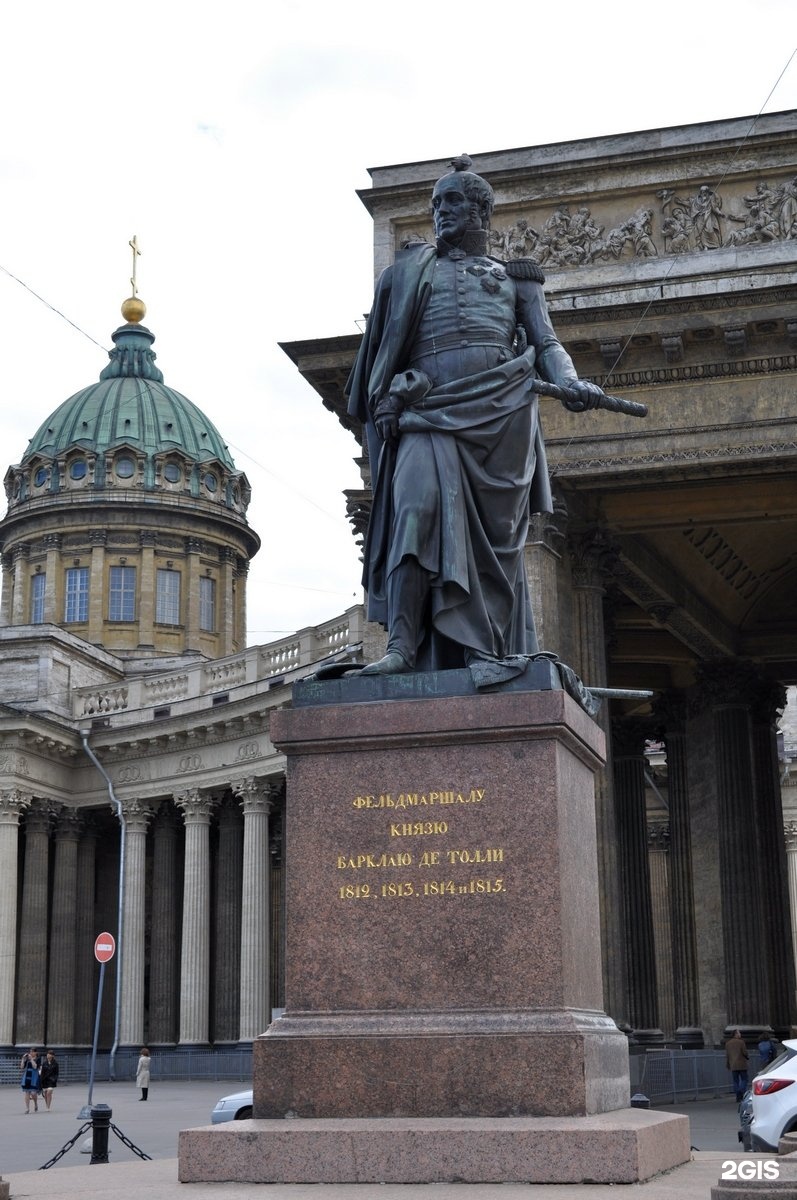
745 1118
237 1107
775 1100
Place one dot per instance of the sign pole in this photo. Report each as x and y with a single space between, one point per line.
104 950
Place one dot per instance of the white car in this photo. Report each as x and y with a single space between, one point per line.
775 1100
237 1107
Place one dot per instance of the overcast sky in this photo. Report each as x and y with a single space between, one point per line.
231 137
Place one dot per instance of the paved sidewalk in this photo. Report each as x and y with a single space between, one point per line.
158 1181
27 1142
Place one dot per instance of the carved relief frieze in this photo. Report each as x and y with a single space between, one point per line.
13 764
669 222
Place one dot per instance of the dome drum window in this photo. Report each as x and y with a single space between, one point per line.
78 469
172 472
124 466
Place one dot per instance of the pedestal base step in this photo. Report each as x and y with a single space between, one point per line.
625 1146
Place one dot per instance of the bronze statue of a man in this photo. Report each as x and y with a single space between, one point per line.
442 384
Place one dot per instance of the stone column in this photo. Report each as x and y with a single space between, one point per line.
131 1009
628 740
255 925
146 606
542 558
193 568
98 591
33 942
227 923
165 934
52 583
592 556
660 889
728 687
19 608
62 982
226 600
86 931
767 705
671 712
196 807
790 834
12 805
8 589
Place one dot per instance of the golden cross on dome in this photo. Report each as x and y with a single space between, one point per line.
133 244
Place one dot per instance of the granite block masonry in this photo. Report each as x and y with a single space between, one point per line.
443 972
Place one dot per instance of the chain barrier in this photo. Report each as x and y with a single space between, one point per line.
130 1145
68 1145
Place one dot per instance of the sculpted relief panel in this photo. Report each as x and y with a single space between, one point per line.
672 223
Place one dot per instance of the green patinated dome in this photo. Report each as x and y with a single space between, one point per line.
132 406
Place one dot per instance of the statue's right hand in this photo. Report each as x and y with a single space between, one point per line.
387 427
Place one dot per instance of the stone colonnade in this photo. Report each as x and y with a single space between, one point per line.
682 958
196 928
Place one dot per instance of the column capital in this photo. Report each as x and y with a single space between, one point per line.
39 816
137 815
726 683
659 836
228 812
629 735
196 806
768 701
69 824
790 834
255 794
12 804
594 555
166 818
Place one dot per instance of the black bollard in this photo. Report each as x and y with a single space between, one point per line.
100 1124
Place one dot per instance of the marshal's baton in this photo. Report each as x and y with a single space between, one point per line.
612 403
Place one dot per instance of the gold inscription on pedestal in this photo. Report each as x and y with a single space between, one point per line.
419 799
444 857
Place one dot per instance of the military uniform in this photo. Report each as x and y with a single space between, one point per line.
444 560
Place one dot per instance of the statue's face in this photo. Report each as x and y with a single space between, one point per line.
452 212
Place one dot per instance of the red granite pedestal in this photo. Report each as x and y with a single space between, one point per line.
442 955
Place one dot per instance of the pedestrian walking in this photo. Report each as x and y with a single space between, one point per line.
30 1081
48 1077
737 1061
142 1073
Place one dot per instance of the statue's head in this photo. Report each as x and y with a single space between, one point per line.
461 200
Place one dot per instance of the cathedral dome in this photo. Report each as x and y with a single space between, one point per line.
126 516
130 404
129 430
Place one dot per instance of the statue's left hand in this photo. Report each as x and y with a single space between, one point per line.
583 395
387 426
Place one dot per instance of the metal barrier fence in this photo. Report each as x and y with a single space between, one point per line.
664 1076
74 1066
674 1076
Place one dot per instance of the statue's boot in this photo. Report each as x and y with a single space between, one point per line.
407 593
393 663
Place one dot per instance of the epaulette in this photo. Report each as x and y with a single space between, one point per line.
525 268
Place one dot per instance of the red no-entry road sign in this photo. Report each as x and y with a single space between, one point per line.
104 947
